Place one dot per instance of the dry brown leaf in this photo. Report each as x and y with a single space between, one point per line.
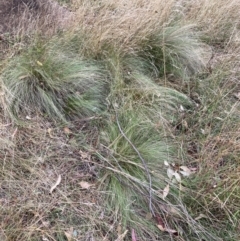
84 155
185 171
185 174
172 231
166 163
46 223
177 176
119 229
67 131
170 173
49 130
160 223
39 63
68 236
161 227
23 77
56 184
85 185
166 191
169 230
185 124
237 95
122 236
200 217
44 238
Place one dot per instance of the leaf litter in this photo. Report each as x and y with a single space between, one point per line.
56 184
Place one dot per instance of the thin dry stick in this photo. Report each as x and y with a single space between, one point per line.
143 162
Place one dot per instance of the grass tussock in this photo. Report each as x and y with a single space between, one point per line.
134 152
133 88
131 121
175 50
46 80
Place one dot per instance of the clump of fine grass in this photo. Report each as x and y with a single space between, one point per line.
133 88
126 177
133 153
174 50
45 79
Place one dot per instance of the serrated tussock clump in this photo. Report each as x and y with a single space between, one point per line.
47 80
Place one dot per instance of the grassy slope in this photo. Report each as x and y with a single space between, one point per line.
117 94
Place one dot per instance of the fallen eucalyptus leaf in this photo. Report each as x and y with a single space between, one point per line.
67 131
172 231
170 173
49 130
185 171
122 236
177 176
85 185
160 223
161 227
185 174
166 163
84 155
56 184
237 95
23 77
165 191
200 216
39 63
44 238
68 236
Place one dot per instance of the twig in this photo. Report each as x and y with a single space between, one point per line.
143 162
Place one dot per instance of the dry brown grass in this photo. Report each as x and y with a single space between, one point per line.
218 19
122 24
28 17
32 160
34 155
